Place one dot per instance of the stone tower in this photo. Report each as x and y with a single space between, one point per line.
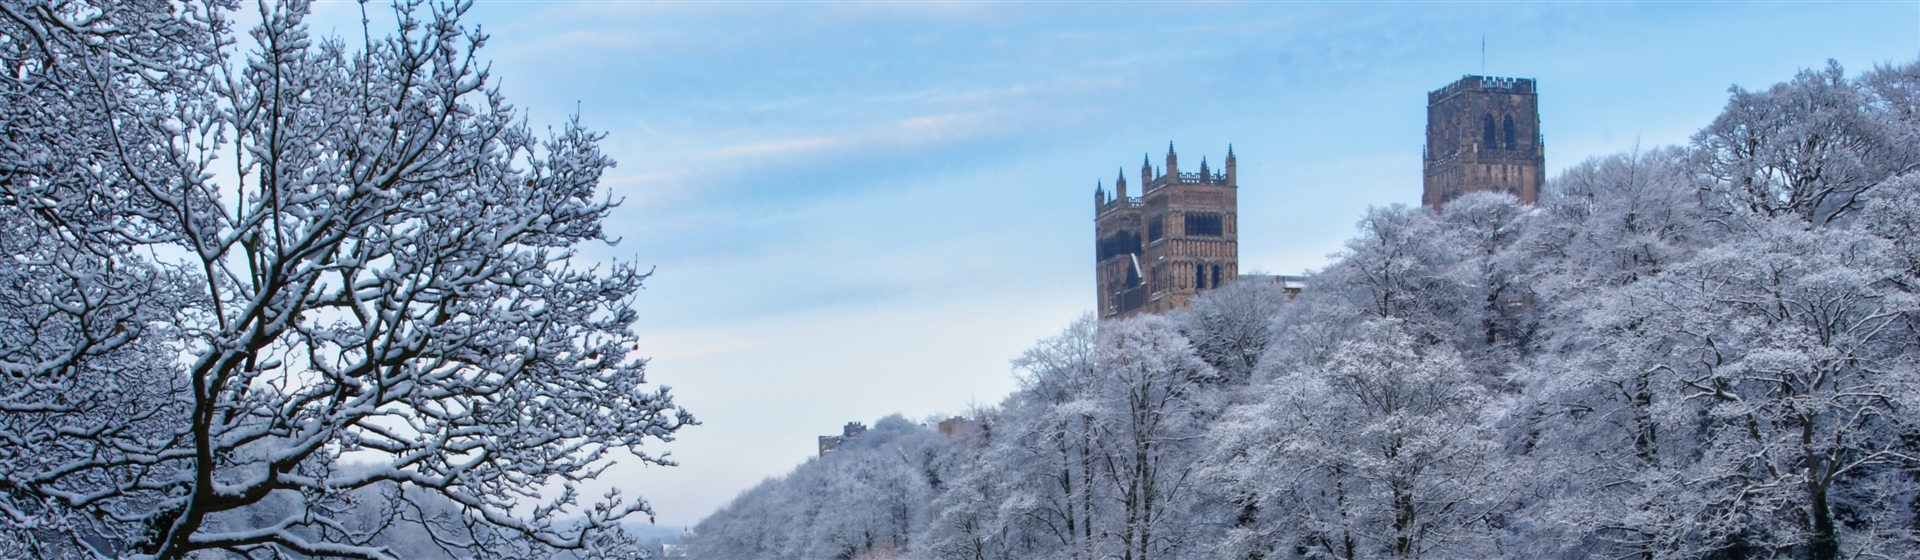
1155 252
1483 134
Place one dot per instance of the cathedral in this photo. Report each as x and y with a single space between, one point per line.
1180 236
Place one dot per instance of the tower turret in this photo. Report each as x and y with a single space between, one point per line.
1120 182
1173 164
1231 179
1146 172
1204 175
1099 198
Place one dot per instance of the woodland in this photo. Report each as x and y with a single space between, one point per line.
1704 351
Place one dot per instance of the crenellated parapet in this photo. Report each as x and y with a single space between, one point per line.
1470 83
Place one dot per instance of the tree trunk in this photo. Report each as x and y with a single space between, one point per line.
1825 541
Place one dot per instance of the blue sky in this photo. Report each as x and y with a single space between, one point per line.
860 208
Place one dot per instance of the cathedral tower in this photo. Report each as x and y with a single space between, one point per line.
1483 134
1178 238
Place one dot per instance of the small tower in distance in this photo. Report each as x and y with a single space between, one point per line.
1179 238
1483 134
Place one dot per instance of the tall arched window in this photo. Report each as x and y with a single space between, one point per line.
1199 277
1216 276
1507 129
1486 133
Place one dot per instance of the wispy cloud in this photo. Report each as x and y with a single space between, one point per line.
908 131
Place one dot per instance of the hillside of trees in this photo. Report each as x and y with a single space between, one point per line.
1703 351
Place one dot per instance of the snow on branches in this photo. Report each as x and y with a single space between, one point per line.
380 297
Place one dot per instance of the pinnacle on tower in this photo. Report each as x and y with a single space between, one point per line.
1173 164
1232 178
1203 169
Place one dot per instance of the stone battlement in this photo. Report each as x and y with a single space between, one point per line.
1481 83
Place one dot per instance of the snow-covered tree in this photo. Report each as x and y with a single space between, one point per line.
231 274
1808 384
1810 148
971 518
1046 447
1232 327
1612 221
1485 227
1093 457
871 497
1725 378
1591 432
1400 266
1754 401
1383 453
1149 409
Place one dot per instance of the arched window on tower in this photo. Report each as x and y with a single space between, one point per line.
1507 130
1203 224
1216 276
1486 133
1199 277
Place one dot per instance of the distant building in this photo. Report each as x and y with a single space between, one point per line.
1290 284
973 432
1179 238
1483 134
958 426
852 430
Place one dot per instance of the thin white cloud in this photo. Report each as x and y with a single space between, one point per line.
917 130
